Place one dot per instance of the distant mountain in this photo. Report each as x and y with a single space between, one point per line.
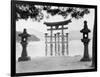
36 33
32 38
76 35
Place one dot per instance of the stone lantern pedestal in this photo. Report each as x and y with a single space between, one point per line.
24 56
85 41
86 52
24 36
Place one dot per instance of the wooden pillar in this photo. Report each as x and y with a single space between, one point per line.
58 44
63 40
46 48
55 46
67 52
51 45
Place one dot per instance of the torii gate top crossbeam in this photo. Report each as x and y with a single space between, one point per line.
58 23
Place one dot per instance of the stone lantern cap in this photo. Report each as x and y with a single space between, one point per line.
85 29
24 34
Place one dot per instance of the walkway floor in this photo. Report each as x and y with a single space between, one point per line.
52 64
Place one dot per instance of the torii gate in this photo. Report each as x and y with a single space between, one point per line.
56 27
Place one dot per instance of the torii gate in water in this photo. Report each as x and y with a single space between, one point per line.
55 26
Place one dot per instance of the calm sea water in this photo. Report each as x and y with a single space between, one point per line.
37 49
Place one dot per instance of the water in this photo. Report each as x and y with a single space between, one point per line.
37 49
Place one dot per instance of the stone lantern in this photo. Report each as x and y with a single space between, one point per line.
85 41
24 37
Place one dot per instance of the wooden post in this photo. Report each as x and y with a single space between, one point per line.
51 45
58 44
63 40
46 44
55 46
67 52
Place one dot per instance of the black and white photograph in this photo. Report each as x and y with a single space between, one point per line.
51 37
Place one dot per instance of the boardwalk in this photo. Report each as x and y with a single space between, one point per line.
52 64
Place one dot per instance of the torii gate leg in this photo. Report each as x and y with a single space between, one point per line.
67 52
55 45
51 45
46 44
63 40
58 44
